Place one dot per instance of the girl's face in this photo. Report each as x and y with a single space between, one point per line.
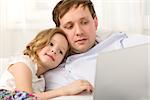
52 54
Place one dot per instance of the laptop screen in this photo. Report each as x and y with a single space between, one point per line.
122 74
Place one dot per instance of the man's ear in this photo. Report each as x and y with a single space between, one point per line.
96 22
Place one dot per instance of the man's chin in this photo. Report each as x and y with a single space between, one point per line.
80 50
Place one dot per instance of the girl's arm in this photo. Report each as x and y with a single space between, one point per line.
23 77
74 88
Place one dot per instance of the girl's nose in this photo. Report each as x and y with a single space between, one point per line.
53 51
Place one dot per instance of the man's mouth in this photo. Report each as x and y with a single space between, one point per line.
81 40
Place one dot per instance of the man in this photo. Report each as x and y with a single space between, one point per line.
79 21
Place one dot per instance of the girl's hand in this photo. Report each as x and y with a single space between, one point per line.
77 87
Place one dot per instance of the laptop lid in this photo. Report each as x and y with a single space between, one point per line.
122 74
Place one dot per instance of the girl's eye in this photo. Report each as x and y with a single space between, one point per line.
61 52
51 44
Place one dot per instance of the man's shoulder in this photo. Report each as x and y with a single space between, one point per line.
136 39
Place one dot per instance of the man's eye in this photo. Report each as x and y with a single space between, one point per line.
84 22
51 44
69 27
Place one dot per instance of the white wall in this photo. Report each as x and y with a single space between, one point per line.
21 20
121 15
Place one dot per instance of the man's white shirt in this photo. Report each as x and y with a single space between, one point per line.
83 66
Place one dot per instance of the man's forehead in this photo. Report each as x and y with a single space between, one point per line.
79 12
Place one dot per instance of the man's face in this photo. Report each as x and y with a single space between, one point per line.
80 28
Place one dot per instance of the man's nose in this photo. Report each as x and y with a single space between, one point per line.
78 30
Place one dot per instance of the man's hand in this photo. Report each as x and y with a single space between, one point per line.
77 87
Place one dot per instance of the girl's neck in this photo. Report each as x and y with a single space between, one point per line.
40 70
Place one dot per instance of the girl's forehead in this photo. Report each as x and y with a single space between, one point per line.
60 39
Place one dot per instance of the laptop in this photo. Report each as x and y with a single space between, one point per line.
123 74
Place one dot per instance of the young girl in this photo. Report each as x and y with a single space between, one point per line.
22 77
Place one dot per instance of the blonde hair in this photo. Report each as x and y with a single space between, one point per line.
40 41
